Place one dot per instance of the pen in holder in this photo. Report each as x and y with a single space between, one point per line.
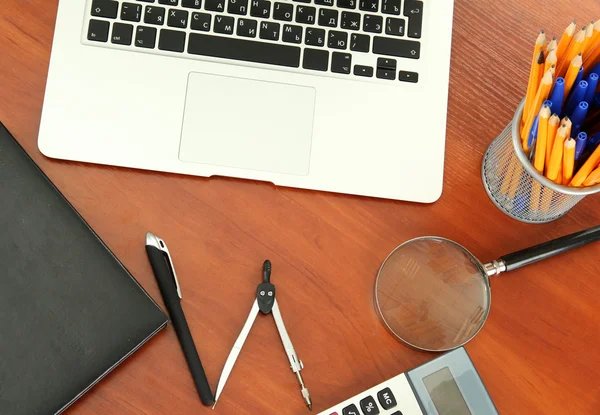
517 188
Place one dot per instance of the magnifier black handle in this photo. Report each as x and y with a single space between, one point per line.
549 249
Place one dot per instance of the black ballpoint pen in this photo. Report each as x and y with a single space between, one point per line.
162 265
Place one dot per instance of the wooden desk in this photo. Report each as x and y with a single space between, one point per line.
538 353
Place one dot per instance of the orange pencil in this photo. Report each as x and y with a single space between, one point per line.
572 74
566 39
568 160
574 50
585 170
553 124
594 41
532 86
557 153
593 178
542 139
592 58
589 33
552 45
540 97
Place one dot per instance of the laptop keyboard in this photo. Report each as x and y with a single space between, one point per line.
347 38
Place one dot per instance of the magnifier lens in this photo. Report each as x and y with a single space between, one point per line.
432 294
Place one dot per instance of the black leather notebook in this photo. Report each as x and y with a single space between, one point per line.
69 311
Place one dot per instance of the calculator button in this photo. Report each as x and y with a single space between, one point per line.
369 406
350 410
386 399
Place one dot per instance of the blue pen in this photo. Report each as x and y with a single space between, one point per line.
592 86
576 97
578 117
594 141
596 69
596 102
558 95
580 145
533 134
548 103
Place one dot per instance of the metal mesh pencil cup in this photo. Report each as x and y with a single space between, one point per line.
517 188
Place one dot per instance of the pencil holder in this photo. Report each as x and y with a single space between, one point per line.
517 188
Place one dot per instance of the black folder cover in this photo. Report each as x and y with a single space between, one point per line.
69 311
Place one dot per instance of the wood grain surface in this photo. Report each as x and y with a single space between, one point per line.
537 354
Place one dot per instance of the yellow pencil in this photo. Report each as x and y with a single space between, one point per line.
540 97
565 39
594 41
572 73
589 33
553 124
593 178
532 87
585 170
559 177
551 46
542 139
592 58
557 153
569 124
574 50
551 60
568 160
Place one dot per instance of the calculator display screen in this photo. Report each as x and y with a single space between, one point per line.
445 394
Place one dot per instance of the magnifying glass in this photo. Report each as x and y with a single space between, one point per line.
434 295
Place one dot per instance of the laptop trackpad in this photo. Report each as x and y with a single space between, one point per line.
247 124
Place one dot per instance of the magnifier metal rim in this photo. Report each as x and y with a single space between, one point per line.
481 269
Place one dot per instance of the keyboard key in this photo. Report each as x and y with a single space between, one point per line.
178 18
386 399
201 21
369 406
105 8
414 11
360 43
305 14
406 76
386 74
246 27
350 410
224 24
328 17
214 5
396 47
314 37
346 4
366 71
131 12
397 413
239 7
171 40
147 1
350 21
372 23
391 7
369 5
191 4
122 34
337 40
283 11
244 50
292 34
302 1
169 2
324 3
154 15
386 63
260 8
145 37
394 27
341 62
269 31
98 30
316 60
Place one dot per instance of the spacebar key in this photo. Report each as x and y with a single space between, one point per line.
244 50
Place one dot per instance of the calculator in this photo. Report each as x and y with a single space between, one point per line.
448 385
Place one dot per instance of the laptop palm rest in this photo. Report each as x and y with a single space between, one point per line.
247 124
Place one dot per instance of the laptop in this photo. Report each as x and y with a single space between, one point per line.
346 96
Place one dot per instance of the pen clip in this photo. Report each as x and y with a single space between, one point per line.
159 244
